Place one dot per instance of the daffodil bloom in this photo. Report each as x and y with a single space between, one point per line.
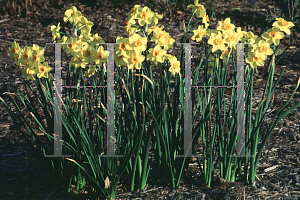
145 16
170 42
25 55
217 42
137 43
231 38
154 29
95 40
54 30
225 53
251 37
78 61
134 61
14 50
240 32
199 33
122 48
273 36
175 65
119 60
101 55
200 9
212 31
29 73
254 59
70 13
225 25
37 56
130 30
205 21
86 24
87 51
133 11
283 25
36 47
91 71
156 17
156 54
43 70
159 37
71 46
63 40
263 49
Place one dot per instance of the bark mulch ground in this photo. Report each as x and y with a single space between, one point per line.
23 177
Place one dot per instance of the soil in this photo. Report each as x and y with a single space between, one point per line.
24 177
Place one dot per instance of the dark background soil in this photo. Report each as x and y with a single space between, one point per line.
23 177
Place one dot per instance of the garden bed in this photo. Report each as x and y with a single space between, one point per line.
23 177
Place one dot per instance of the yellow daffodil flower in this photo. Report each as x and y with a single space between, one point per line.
170 42
225 54
14 50
63 40
78 61
156 54
72 45
254 59
91 71
156 17
95 40
217 42
29 73
200 9
273 36
101 55
122 49
54 30
37 56
43 70
133 11
159 38
86 24
154 29
134 61
25 55
199 33
212 31
251 38
137 43
225 25
263 49
283 25
88 52
36 47
231 38
205 21
70 13
240 32
130 30
145 16
119 59
175 65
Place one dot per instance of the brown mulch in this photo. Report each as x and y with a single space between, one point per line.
23 177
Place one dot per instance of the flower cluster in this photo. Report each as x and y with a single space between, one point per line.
225 37
85 49
130 51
